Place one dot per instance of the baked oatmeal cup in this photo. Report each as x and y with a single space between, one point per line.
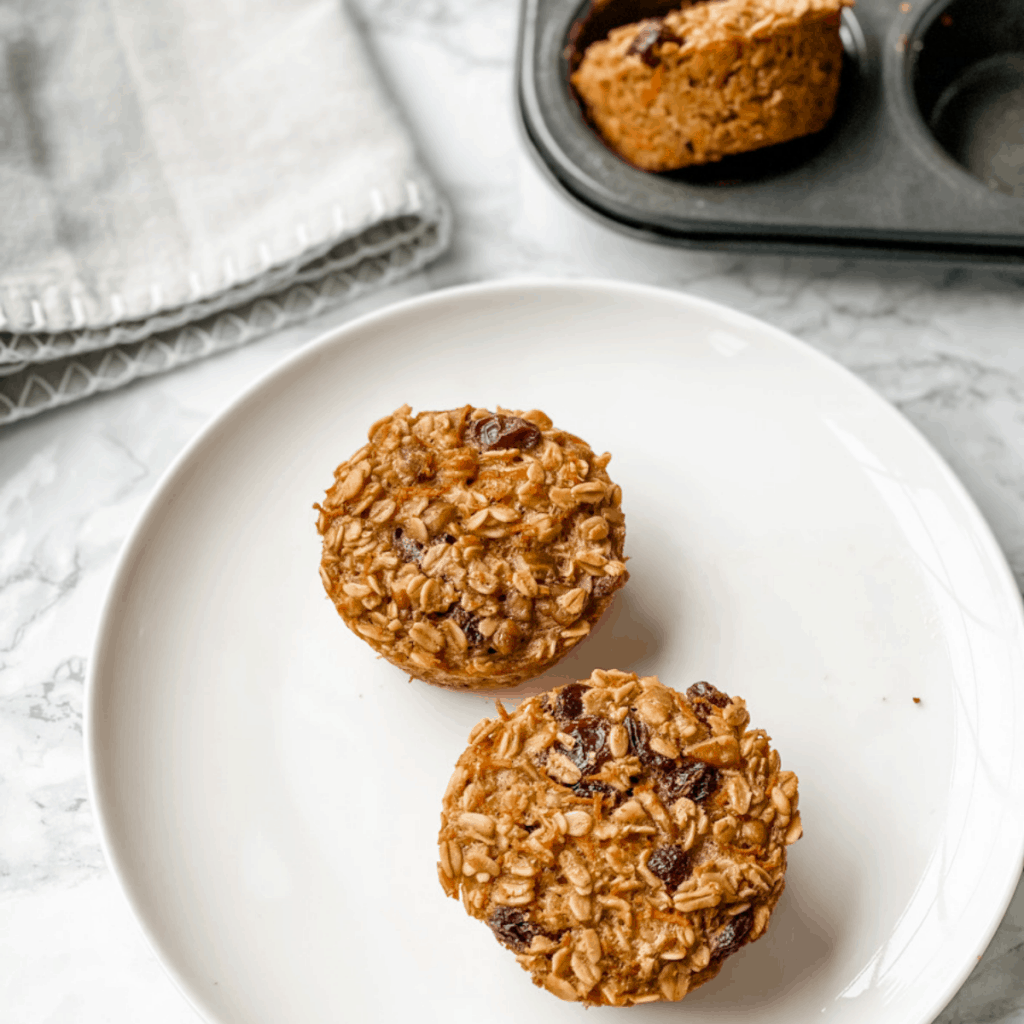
472 549
620 838
713 79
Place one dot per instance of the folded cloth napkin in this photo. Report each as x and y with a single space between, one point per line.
181 176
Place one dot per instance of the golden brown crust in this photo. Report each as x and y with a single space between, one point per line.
713 79
472 549
621 838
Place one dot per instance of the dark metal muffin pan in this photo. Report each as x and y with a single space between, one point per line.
924 157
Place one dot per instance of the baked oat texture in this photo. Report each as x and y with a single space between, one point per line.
714 78
620 838
470 548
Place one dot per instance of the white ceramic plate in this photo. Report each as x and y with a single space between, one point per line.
268 791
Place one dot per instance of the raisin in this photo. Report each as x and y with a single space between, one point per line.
702 695
692 779
652 32
671 864
639 741
598 19
729 938
673 777
569 702
494 432
512 927
590 752
604 585
594 787
637 733
705 691
469 624
406 548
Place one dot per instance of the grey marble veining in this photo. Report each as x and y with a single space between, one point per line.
945 345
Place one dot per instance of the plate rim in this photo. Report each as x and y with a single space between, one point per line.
338 336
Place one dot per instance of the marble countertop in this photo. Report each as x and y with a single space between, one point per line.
944 345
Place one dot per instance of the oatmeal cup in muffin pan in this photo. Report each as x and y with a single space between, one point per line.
622 839
709 80
472 549
785 126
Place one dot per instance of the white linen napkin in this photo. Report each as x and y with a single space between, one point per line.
181 176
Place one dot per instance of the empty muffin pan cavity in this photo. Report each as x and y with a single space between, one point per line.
965 71
924 156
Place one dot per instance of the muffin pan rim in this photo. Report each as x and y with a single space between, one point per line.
608 188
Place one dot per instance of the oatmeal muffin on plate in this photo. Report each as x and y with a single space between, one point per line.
622 839
473 549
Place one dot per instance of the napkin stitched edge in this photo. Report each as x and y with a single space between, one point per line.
97 365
